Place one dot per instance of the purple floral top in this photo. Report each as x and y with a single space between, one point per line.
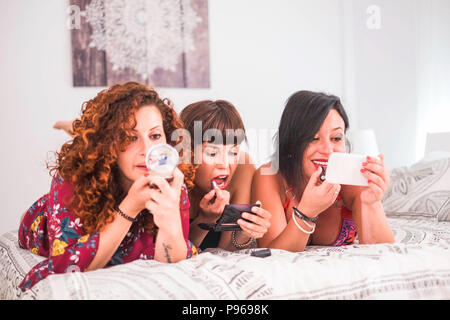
50 230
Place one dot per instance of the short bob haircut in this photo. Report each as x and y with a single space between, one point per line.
303 115
218 119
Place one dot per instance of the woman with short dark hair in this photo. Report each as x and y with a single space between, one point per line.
218 160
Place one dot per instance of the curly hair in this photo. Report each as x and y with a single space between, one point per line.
89 161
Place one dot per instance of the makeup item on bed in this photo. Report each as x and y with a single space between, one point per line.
229 217
345 168
162 159
261 253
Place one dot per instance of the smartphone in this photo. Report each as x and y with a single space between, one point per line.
229 217
345 168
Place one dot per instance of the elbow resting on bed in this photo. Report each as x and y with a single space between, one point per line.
376 240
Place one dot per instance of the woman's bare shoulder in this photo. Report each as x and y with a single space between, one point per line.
267 178
245 165
244 172
241 182
268 188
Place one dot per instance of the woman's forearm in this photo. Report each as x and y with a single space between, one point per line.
225 240
170 246
371 224
110 239
197 234
291 238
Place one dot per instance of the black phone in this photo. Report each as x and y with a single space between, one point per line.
229 217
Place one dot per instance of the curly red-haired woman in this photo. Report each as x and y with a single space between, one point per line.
97 211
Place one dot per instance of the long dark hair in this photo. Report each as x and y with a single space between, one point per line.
303 115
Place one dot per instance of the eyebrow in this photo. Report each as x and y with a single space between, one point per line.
151 129
158 126
337 128
211 146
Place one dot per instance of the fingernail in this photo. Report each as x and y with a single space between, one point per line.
363 170
364 164
369 181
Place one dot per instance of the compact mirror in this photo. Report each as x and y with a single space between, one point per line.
162 159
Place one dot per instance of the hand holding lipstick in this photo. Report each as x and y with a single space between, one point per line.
317 197
213 203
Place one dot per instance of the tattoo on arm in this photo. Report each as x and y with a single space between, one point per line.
167 247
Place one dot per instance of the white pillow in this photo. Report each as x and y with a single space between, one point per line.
436 155
421 190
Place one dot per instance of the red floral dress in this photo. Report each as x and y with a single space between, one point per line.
50 230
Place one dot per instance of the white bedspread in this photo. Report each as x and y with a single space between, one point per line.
417 266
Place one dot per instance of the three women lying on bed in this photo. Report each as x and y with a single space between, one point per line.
96 213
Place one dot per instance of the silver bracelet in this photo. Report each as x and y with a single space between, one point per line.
251 241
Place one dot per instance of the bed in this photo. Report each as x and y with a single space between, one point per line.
416 266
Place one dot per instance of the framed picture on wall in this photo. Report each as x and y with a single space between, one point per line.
162 43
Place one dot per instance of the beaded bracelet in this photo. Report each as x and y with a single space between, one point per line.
125 215
251 241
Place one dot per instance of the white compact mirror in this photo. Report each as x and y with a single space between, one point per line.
345 168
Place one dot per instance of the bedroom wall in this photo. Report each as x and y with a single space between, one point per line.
433 79
385 73
397 77
261 52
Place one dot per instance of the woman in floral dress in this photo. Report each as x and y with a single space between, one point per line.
100 210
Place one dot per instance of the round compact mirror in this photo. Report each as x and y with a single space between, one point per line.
162 159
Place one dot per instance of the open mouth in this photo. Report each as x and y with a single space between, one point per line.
221 181
320 163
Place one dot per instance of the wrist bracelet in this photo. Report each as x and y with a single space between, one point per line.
302 216
300 227
251 241
125 215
